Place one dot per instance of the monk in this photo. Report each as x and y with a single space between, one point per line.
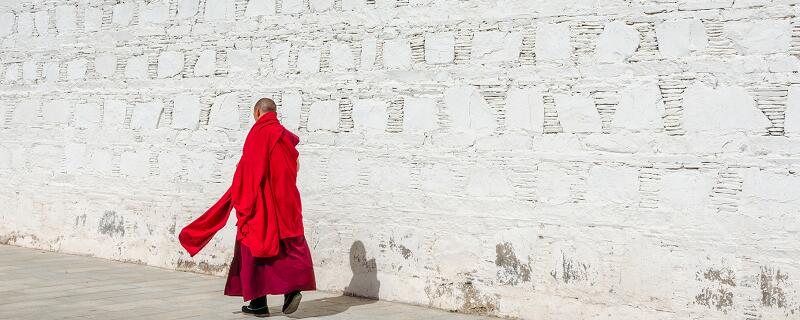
271 256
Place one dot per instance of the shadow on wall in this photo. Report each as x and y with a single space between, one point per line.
363 289
365 282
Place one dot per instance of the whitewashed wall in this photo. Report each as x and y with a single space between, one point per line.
592 159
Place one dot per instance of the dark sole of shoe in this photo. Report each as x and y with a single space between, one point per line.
293 304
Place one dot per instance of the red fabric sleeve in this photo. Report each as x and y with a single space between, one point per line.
197 234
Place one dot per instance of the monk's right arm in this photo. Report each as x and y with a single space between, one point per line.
197 234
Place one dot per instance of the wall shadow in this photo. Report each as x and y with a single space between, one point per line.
365 282
364 288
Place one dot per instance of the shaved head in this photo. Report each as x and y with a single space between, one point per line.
266 105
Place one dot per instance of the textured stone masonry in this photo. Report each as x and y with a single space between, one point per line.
592 159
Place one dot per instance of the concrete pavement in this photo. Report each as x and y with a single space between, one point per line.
36 284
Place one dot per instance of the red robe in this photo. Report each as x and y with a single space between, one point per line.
264 194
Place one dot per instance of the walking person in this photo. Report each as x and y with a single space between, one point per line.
271 256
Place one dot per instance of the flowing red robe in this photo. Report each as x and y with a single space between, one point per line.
263 192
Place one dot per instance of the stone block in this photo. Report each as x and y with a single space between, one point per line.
30 70
42 22
12 73
220 10
26 23
169 165
279 55
613 184
106 64
114 113
187 9
369 115
146 115
553 42
468 111
66 18
243 61
617 42
225 112
290 109
685 190
419 115
76 69
440 47
389 176
170 64
135 164
324 115
397 54
200 166
310 174
484 181
771 190
292 6
51 71
156 11
87 115
525 110
341 57
58 112
681 37
26 111
136 68
74 157
438 178
260 8
7 19
640 108
101 162
206 63
725 109
320 5
122 14
45 158
353 5
92 19
760 36
308 59
554 184
578 113
345 168
369 50
496 46
186 111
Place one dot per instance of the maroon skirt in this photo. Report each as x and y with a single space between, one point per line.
291 270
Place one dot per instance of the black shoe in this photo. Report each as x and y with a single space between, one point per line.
291 301
258 307
259 312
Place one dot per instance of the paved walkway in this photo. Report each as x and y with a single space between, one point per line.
37 284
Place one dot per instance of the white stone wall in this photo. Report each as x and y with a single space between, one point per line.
592 159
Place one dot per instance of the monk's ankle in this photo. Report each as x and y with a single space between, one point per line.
258 303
